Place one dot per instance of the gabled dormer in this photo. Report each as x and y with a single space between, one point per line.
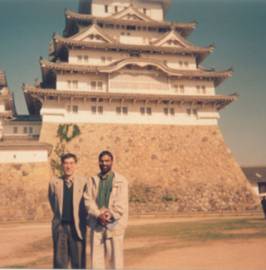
93 34
131 13
172 39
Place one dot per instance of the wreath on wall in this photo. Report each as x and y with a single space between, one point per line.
67 132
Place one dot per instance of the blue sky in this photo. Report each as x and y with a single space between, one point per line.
236 27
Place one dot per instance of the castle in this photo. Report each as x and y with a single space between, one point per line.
134 84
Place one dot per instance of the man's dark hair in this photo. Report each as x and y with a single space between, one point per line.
68 156
106 153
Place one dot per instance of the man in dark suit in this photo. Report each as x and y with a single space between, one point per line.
69 220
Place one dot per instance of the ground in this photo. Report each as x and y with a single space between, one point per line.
233 242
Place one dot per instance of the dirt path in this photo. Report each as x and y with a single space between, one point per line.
23 244
229 255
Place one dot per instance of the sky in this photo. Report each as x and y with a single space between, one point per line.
236 27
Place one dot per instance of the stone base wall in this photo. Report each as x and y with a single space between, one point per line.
169 168
23 192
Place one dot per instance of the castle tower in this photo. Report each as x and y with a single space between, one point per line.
134 84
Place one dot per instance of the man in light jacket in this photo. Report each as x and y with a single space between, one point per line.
106 200
69 220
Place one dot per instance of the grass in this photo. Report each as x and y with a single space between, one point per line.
163 236
200 230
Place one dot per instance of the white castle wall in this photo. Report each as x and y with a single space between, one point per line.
27 128
103 112
153 10
23 156
100 58
134 83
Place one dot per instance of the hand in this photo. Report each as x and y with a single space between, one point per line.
105 217
108 216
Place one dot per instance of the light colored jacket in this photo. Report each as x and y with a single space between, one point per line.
118 204
56 197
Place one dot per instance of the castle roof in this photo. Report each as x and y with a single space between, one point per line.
201 53
216 76
219 101
255 174
72 16
21 143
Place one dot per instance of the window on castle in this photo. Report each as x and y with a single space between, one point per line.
100 85
103 59
145 11
201 89
72 84
106 8
172 111
86 59
118 110
100 109
142 110
30 130
189 111
131 27
116 9
125 110
75 84
75 109
122 110
97 109
79 58
96 85
93 85
94 109
15 130
179 88
149 111
25 130
169 111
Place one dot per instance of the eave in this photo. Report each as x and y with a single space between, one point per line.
61 42
217 76
71 16
219 101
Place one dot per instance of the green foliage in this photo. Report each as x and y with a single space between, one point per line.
66 133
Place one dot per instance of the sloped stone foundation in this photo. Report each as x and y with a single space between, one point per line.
170 168
23 192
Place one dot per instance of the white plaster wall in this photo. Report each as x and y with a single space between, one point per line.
154 10
23 156
95 58
9 129
85 115
100 58
84 82
136 82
